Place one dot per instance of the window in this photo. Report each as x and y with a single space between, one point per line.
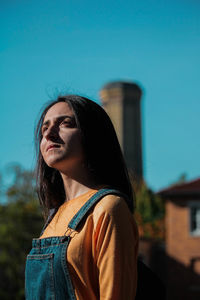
195 219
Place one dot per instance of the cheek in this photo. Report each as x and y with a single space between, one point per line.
75 142
70 138
42 146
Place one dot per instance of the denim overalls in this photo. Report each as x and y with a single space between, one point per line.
46 274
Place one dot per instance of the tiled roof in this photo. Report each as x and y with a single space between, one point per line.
184 189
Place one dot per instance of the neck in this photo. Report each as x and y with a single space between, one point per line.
76 185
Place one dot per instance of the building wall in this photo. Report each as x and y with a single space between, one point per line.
113 104
183 252
180 244
122 102
132 134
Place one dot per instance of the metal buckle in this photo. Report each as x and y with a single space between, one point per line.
70 232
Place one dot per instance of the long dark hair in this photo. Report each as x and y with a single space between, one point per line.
101 148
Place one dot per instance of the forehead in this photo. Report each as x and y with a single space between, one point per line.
58 109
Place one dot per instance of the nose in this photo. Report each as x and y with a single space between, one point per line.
51 133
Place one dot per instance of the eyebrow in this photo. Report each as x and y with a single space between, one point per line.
62 117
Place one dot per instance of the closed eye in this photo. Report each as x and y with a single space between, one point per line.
68 123
65 121
44 129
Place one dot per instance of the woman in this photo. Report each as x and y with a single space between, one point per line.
88 246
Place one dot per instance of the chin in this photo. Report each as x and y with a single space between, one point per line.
63 163
52 163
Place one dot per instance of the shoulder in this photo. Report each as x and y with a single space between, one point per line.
110 203
111 216
112 207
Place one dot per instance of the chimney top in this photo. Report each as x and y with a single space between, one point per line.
122 84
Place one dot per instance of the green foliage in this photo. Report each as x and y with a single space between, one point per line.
149 205
23 186
149 213
20 221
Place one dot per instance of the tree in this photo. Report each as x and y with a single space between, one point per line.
20 221
149 213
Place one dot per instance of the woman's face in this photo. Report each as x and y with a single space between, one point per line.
61 146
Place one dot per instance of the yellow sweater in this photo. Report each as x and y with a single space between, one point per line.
102 255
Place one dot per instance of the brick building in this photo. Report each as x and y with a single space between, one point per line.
177 260
122 101
183 240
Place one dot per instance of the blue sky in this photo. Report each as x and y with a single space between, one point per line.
48 47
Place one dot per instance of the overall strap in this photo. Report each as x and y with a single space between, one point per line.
75 221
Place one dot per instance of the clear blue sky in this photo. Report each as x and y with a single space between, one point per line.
78 46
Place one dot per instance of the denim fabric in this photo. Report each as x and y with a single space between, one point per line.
75 221
46 275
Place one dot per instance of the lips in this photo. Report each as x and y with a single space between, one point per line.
52 146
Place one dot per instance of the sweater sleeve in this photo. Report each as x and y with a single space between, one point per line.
116 247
